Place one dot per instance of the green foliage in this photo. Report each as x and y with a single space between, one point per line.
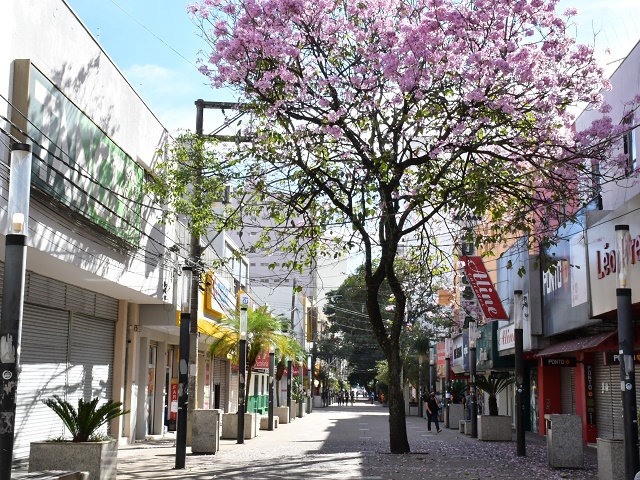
189 181
458 389
83 422
493 386
264 333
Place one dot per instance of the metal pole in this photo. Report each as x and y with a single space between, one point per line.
241 389
626 352
13 298
183 381
420 406
628 382
447 386
432 372
519 367
289 376
272 373
472 400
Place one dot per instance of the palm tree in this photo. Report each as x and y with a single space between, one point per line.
289 349
264 332
493 386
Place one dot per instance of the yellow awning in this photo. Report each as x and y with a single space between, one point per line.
206 326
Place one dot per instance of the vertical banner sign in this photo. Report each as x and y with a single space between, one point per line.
591 397
173 403
482 285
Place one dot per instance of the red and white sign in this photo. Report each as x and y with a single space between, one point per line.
506 338
173 403
483 288
262 360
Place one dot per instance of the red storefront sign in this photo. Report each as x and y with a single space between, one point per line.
262 361
173 404
483 288
296 370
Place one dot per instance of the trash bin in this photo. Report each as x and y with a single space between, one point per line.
205 433
564 441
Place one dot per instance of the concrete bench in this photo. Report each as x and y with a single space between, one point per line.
54 475
465 426
264 422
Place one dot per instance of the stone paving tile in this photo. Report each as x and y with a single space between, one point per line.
349 443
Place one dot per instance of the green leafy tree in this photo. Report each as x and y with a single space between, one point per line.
264 333
377 122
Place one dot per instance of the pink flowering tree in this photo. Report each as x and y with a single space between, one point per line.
372 120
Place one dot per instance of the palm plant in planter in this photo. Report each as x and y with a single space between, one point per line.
88 450
492 387
493 427
83 423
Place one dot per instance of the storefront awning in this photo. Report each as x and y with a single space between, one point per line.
584 343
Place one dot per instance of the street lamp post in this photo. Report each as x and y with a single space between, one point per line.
447 380
242 358
272 373
519 367
183 370
472 379
13 298
420 402
432 371
626 352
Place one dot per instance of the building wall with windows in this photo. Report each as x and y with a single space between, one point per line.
96 247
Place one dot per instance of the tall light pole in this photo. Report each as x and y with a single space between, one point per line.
447 379
626 352
472 379
432 371
13 297
420 403
272 373
183 368
519 361
243 300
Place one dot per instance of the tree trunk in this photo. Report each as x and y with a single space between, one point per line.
279 374
398 440
493 405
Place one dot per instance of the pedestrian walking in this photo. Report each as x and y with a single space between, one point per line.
353 397
371 398
432 412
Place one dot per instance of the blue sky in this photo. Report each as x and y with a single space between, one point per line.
156 46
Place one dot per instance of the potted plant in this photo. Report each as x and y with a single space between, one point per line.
457 409
493 427
90 449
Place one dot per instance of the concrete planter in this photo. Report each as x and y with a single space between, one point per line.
230 425
494 428
456 413
205 437
294 410
282 413
100 459
610 458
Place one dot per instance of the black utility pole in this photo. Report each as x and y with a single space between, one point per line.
13 298
447 380
519 367
472 379
183 367
272 373
626 351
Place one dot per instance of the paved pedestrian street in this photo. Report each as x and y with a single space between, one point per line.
349 442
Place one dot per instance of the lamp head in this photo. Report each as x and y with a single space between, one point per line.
472 334
623 252
517 309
